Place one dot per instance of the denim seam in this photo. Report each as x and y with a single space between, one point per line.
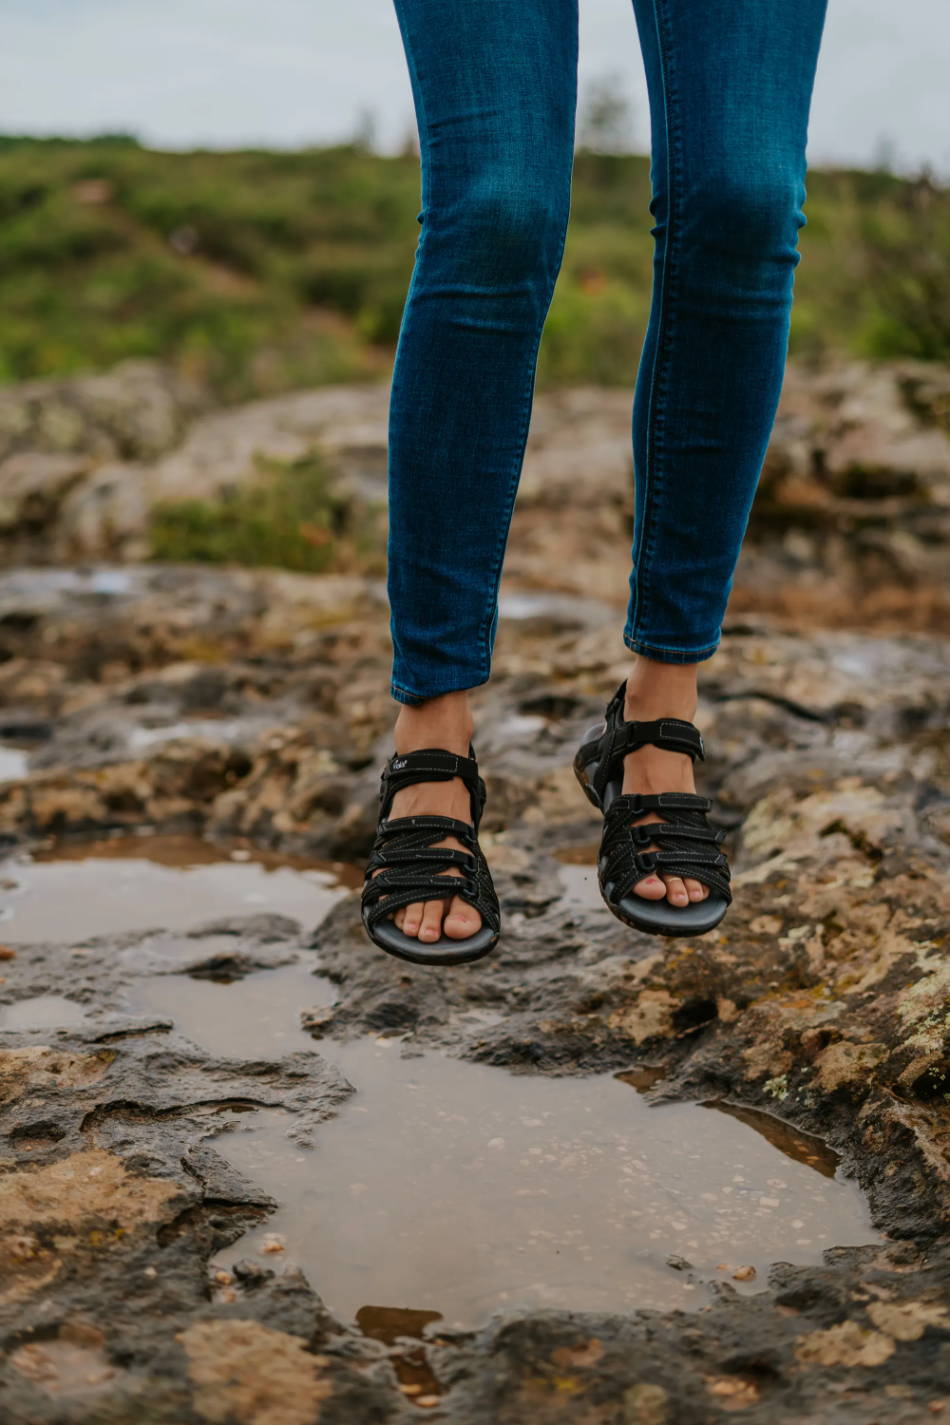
426 160
402 694
656 406
645 645
527 400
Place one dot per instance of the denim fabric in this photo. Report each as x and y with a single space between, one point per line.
494 84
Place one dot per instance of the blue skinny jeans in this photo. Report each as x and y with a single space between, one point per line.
494 85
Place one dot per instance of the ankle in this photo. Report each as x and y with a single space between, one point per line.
655 690
445 721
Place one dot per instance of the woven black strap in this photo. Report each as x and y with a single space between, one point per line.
693 844
412 869
409 867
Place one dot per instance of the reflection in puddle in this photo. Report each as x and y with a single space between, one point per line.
803 1147
454 1189
170 882
257 1019
41 1012
390 1325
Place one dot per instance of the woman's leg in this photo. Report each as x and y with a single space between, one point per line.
730 85
494 85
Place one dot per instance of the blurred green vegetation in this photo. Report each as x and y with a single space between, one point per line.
259 271
289 517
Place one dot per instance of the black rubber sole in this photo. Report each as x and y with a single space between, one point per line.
655 917
444 951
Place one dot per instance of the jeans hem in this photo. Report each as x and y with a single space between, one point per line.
412 698
669 655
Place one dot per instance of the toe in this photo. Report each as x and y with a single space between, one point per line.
651 888
462 919
695 889
431 927
412 918
676 891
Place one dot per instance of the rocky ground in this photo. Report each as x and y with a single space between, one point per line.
252 708
853 507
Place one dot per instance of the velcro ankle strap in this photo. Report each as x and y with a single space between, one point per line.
432 760
672 733
428 764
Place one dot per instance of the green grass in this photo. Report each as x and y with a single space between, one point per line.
288 518
256 272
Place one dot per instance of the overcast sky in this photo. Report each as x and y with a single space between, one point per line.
182 73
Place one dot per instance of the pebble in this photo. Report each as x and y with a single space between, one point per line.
743 1274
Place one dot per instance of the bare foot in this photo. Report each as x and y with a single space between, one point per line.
439 722
656 690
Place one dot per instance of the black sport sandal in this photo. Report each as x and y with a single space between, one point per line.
403 847
623 861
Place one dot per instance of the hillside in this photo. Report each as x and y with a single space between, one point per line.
257 272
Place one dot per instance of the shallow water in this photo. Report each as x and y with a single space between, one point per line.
443 1190
457 1189
577 870
168 882
261 1021
14 762
41 1012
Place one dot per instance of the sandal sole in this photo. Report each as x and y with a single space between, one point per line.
444 951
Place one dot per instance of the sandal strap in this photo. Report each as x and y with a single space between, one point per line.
409 867
693 846
402 826
620 737
431 764
673 733
630 804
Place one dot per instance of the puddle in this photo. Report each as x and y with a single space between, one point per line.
577 870
41 1012
261 1021
448 1190
167 882
14 763
444 1190
141 739
42 586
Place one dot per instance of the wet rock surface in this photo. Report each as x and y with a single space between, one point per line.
252 709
